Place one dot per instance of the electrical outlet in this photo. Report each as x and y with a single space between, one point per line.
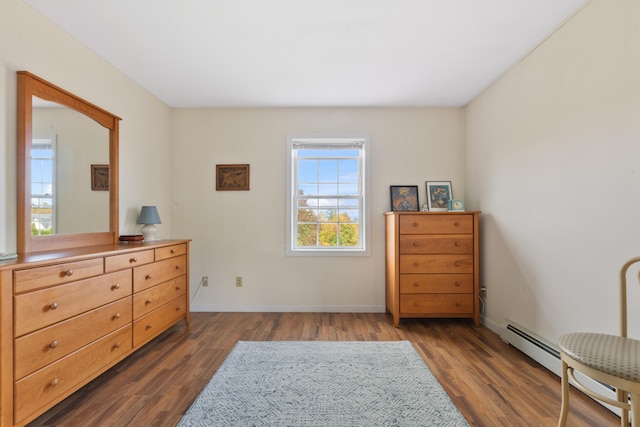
205 280
238 281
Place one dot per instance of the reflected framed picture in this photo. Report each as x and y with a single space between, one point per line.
404 198
438 195
232 177
100 177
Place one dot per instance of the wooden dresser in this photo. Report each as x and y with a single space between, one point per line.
432 265
68 316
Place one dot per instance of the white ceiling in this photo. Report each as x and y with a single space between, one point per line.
239 53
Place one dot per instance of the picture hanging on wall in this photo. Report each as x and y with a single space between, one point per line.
404 198
438 195
100 177
232 177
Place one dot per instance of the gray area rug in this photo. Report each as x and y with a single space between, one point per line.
323 383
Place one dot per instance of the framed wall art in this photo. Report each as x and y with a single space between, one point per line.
100 177
232 177
438 195
404 198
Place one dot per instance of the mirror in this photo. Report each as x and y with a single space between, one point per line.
67 169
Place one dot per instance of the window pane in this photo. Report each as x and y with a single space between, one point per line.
307 235
328 170
349 215
327 189
308 171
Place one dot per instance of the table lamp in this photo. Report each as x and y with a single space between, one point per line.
149 217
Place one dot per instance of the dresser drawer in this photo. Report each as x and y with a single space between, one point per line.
150 275
38 349
152 298
157 321
120 262
436 224
41 277
35 310
436 264
170 251
436 244
35 391
436 304
436 283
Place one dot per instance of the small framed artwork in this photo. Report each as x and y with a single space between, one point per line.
438 195
100 177
232 177
404 198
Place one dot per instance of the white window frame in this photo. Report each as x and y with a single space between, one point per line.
50 141
291 207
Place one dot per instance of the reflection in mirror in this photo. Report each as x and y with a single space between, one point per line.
67 169
65 144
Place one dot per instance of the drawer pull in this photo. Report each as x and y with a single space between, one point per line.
457 224
457 243
457 263
53 306
178 267
116 286
458 284
416 284
458 303
117 345
148 301
416 303
415 224
54 382
53 344
178 309
149 326
173 251
177 288
415 244
134 259
116 316
416 263
148 277
68 272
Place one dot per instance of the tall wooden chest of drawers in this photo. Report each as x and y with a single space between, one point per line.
432 267
66 317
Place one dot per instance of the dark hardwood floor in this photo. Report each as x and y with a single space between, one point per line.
492 383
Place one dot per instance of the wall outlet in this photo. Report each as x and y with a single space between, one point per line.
238 281
205 280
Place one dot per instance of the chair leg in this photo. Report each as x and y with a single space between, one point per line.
564 410
635 410
623 397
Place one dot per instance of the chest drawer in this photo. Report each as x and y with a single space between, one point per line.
436 264
120 262
170 251
41 277
150 275
436 224
148 300
40 348
157 321
37 309
436 283
35 391
436 304
436 244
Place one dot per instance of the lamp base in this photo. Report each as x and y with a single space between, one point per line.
149 232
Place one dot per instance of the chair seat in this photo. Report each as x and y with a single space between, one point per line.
614 355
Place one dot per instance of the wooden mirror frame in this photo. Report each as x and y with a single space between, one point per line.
29 86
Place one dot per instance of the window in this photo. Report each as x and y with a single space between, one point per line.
327 204
42 186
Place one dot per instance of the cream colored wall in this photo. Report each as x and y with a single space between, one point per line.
242 233
552 154
30 42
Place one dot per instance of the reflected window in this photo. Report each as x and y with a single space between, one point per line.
43 152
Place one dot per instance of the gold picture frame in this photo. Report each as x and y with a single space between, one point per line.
232 177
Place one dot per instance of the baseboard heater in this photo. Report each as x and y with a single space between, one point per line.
548 355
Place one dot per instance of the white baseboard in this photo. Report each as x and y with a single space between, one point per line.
211 308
